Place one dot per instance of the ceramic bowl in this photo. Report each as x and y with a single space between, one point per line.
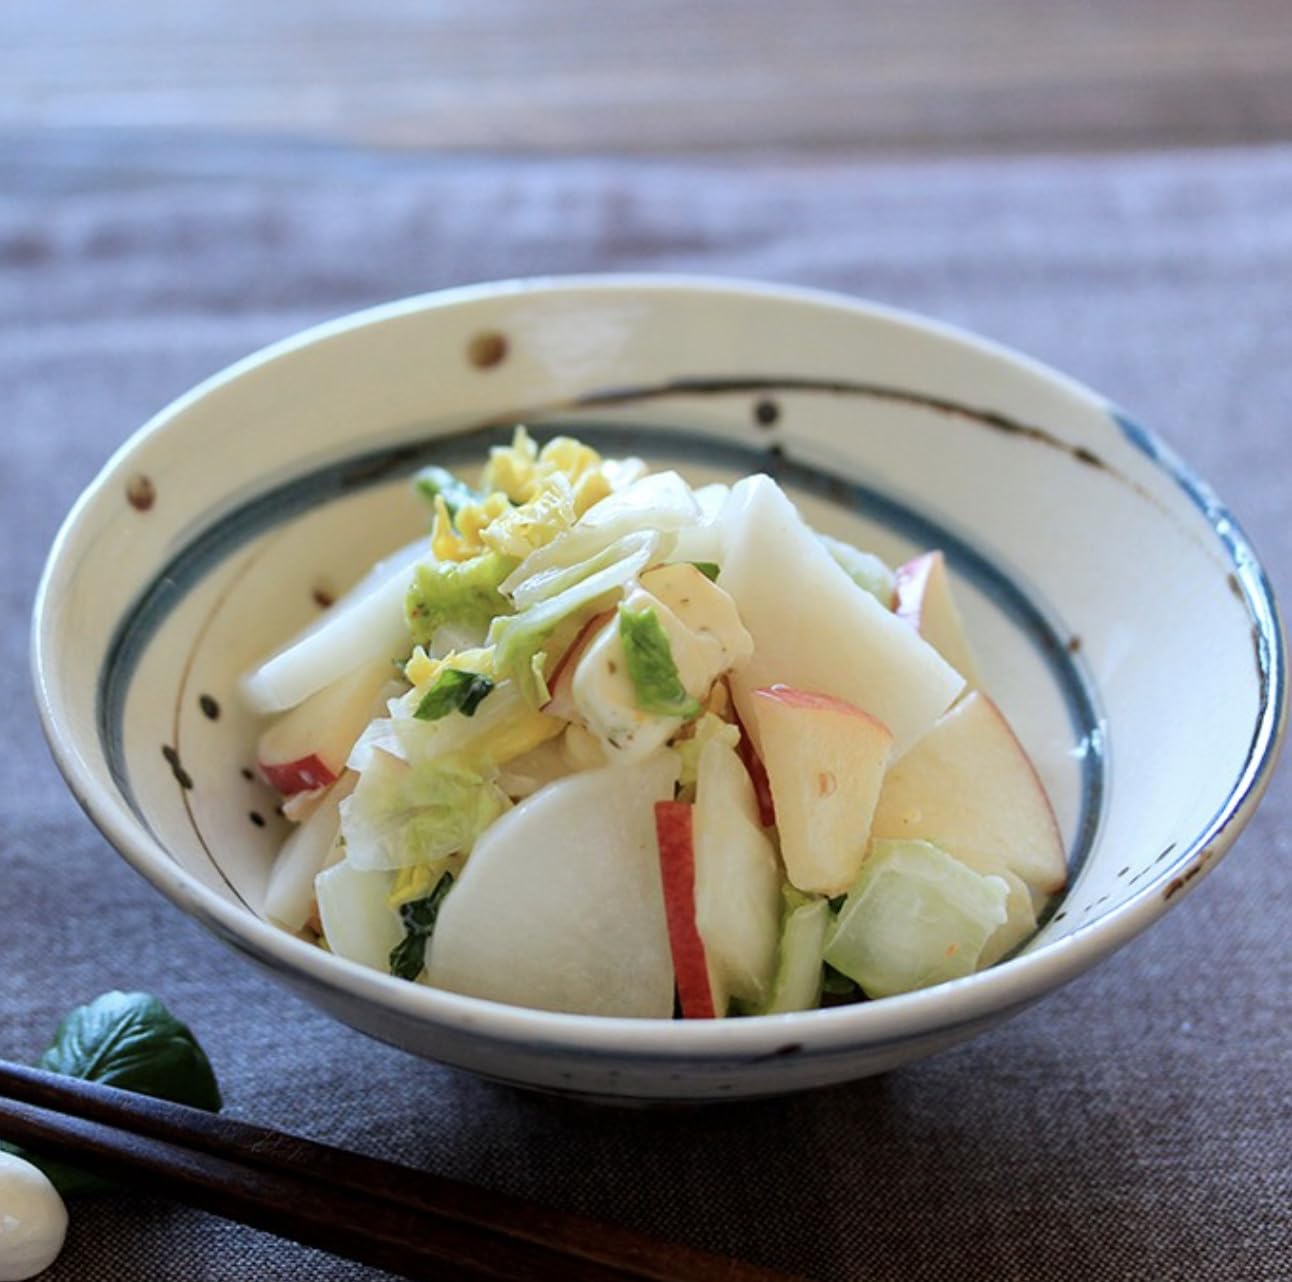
1122 619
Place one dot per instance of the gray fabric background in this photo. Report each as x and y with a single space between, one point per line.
1137 1125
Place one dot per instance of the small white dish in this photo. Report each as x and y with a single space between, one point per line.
1123 621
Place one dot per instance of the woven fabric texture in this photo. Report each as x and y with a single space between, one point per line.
1136 1125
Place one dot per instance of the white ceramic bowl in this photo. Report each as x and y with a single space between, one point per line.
1123 621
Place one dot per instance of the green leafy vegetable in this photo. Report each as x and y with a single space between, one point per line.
799 977
837 984
914 917
576 592
408 957
459 592
651 669
130 1041
438 482
532 525
453 691
401 814
710 569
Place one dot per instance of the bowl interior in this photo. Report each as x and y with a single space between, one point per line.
1119 621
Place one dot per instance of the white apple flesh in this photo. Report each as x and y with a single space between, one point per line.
969 787
825 763
560 906
307 747
922 597
813 628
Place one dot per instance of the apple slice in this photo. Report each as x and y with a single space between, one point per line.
560 905
825 762
308 746
674 834
922 597
757 772
814 628
969 787
289 896
561 701
737 880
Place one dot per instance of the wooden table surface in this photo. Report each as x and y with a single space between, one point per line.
669 76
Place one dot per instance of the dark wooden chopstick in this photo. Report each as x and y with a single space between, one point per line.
394 1217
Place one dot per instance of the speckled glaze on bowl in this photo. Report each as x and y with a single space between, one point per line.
1122 618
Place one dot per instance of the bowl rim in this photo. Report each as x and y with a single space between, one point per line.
988 995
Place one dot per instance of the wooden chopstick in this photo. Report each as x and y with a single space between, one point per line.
366 1209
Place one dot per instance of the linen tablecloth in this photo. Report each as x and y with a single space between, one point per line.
1136 1125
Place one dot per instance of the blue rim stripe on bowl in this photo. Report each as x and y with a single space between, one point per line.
262 512
1252 584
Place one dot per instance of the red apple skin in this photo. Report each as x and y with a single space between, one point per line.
673 832
302 775
810 699
820 741
888 821
909 583
561 704
920 587
753 763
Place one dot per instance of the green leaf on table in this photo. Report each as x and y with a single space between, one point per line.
130 1041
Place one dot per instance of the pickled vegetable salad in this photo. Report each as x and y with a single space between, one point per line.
645 747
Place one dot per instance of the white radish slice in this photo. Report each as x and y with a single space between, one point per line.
737 878
289 897
307 747
358 921
703 540
814 628
560 906
366 624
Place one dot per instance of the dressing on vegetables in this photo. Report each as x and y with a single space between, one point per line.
607 744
